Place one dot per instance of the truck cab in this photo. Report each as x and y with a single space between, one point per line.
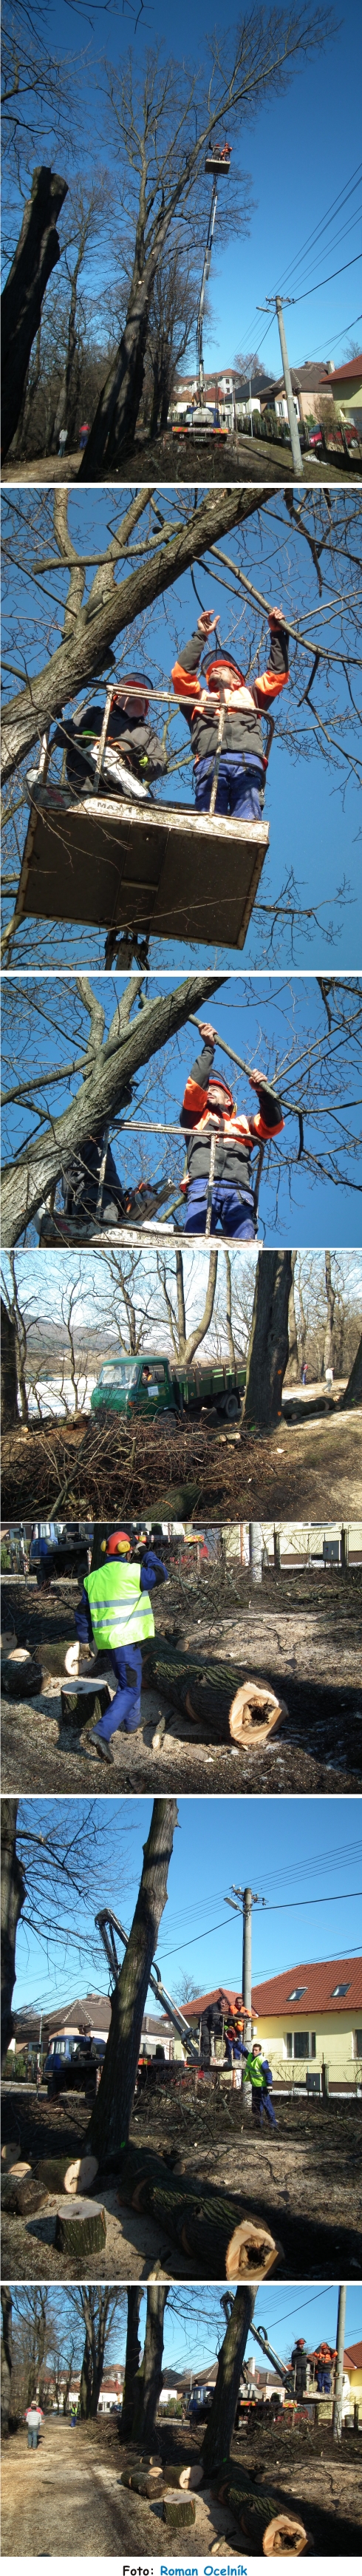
71 2062
149 1386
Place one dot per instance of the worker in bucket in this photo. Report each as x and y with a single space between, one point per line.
323 2361
133 754
115 1613
299 2365
242 766
83 1178
208 1105
259 2074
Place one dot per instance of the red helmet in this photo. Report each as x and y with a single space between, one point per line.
222 660
218 1083
118 1543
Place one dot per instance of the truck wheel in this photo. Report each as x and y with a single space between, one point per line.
231 1408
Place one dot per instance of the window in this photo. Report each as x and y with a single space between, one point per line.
341 1990
118 1373
301 2043
358 2041
295 1994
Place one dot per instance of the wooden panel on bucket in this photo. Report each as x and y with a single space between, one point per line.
101 861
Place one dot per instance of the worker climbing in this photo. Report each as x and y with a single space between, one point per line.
209 1109
133 755
224 718
115 1613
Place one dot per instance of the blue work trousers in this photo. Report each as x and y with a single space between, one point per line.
234 2049
125 1709
32 2437
238 788
229 1210
262 2101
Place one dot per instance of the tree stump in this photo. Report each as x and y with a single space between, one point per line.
80 2230
209 2224
62 2173
83 1703
232 1709
178 2511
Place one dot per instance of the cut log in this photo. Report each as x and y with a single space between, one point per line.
178 2511
144 2482
15 2163
10 2155
59 2173
81 2229
277 2533
22 2199
209 2224
185 2477
21 1674
232 1710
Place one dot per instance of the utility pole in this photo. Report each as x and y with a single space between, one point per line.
293 424
245 1907
338 2393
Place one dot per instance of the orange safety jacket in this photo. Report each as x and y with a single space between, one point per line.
237 1134
244 706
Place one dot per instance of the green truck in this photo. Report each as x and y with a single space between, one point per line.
151 1385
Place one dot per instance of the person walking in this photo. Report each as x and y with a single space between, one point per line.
259 2074
34 2418
115 1614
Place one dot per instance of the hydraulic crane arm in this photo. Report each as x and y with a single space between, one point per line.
107 1924
259 2336
219 163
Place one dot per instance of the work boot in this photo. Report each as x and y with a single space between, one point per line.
100 1745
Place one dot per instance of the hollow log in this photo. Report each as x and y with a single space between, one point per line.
178 2511
234 1709
81 2230
62 2173
277 2533
208 2224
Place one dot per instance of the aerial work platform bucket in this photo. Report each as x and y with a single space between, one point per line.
104 861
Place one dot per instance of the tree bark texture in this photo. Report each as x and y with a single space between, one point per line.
353 1392
101 1094
268 1347
111 607
275 2531
328 1349
6 2357
150 2374
293 1362
133 2352
109 2128
12 1900
232 1709
9 1381
37 253
220 2423
208 2224
80 2229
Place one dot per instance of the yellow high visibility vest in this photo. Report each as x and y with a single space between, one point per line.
121 1614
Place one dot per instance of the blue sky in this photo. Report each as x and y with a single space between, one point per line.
306 1861
303 149
312 808
194 2328
272 1022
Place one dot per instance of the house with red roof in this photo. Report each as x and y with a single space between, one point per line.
345 383
309 2023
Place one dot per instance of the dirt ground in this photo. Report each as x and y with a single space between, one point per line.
168 460
303 2180
301 1632
78 2471
85 1467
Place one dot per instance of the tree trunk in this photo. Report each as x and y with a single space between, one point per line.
100 1095
80 2229
6 2358
12 1900
37 253
268 1350
86 2380
9 1381
353 1392
109 2127
229 1310
276 2532
328 1347
150 2375
293 1362
116 416
208 2224
220 2423
229 1707
133 2350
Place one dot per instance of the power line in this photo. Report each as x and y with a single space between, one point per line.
326 281
290 1908
336 207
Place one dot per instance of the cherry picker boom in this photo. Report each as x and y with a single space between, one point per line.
218 162
107 1924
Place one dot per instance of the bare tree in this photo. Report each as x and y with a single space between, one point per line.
97 2309
149 2382
37 253
155 123
9 1376
293 1361
111 2114
108 1070
17 1329
132 2361
328 1353
353 1391
87 208
185 1343
6 2358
